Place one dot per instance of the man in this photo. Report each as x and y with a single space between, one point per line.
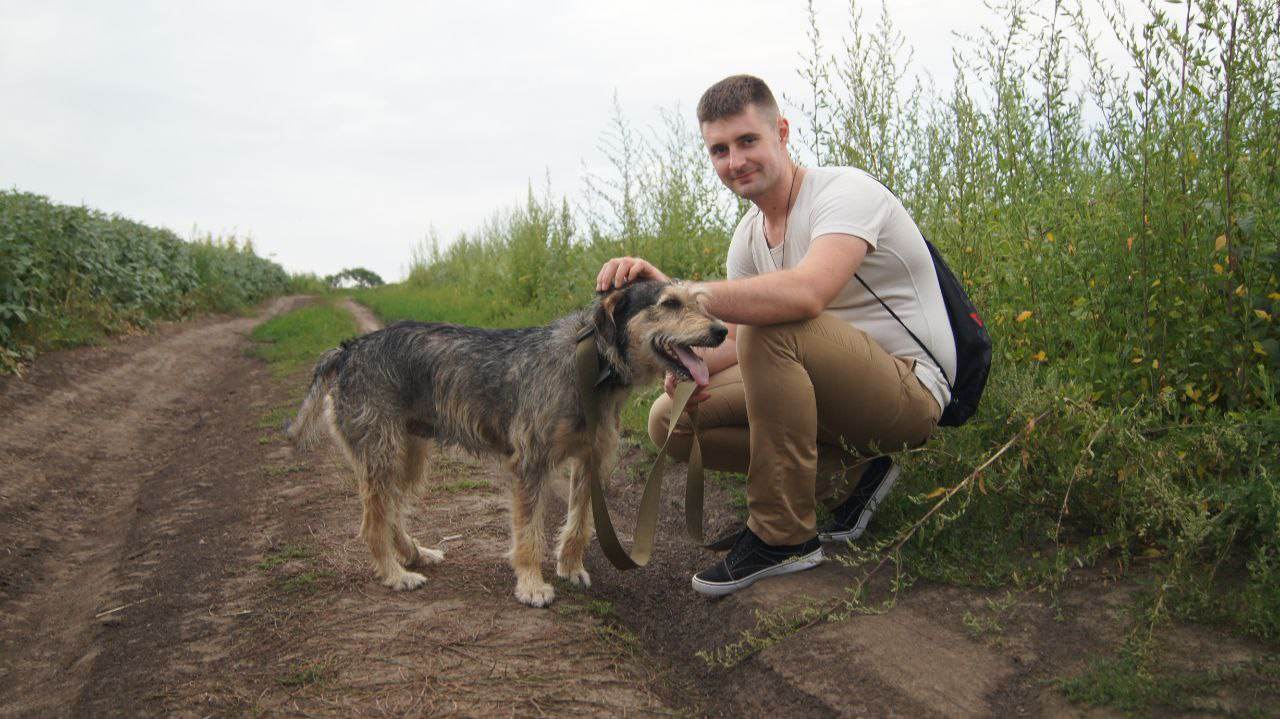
817 377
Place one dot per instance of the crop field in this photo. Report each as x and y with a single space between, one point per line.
72 275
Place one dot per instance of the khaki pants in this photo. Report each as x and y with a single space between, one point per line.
801 413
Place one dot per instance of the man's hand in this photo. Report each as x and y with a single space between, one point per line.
700 394
622 271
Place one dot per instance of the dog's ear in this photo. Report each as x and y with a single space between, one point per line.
611 308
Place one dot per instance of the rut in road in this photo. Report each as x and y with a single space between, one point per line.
83 443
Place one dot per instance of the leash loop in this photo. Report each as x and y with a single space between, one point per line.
588 370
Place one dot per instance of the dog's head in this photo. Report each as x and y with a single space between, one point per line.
648 328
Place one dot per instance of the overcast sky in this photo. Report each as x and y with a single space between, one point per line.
337 134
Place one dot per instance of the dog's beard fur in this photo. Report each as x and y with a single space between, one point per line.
512 393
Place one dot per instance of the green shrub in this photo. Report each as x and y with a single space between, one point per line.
70 275
1126 266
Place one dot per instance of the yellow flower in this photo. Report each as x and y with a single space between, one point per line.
1026 315
1039 356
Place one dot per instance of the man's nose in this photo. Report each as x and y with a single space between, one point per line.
735 160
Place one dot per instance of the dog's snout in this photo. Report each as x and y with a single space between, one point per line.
718 333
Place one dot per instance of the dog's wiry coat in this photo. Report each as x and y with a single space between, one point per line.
510 392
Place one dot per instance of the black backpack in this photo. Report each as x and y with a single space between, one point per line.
973 344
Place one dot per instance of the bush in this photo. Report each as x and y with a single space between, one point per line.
69 275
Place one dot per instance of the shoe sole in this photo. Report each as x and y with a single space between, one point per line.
864 517
796 564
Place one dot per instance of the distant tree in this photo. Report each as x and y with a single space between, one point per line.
357 276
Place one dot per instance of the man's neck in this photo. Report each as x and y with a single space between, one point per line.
776 202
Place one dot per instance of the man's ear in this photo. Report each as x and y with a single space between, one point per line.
605 318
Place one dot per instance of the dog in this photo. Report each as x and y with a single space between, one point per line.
387 395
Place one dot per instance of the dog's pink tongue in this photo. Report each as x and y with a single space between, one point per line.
694 364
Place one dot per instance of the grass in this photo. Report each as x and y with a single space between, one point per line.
305 582
464 485
1124 684
295 339
283 555
282 470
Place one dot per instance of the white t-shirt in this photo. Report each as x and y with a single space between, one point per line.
897 266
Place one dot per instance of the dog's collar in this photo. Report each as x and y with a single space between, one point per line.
606 371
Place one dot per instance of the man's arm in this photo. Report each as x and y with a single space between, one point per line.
800 293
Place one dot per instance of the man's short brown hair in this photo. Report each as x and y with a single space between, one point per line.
731 96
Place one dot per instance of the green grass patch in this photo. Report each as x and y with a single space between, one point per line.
602 608
432 304
297 338
464 485
276 417
1125 684
304 582
283 555
282 470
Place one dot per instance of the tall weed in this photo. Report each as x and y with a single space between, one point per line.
1116 223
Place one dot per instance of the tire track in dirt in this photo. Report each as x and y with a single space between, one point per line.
77 454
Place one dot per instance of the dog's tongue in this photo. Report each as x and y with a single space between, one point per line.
694 364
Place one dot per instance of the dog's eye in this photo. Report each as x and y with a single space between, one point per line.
671 303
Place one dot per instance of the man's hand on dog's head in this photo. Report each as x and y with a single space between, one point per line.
622 271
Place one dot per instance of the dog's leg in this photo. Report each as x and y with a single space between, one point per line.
527 542
575 535
379 527
411 553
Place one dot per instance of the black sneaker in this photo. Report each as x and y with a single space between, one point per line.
751 559
850 519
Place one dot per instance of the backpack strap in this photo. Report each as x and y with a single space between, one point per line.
945 378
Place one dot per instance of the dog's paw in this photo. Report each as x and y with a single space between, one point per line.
535 595
578 576
428 556
406 581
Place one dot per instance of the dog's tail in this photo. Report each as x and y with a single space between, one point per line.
307 427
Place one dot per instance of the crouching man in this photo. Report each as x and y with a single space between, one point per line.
818 380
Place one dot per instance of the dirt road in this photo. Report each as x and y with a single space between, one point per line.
163 551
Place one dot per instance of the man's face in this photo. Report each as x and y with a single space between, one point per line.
748 150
